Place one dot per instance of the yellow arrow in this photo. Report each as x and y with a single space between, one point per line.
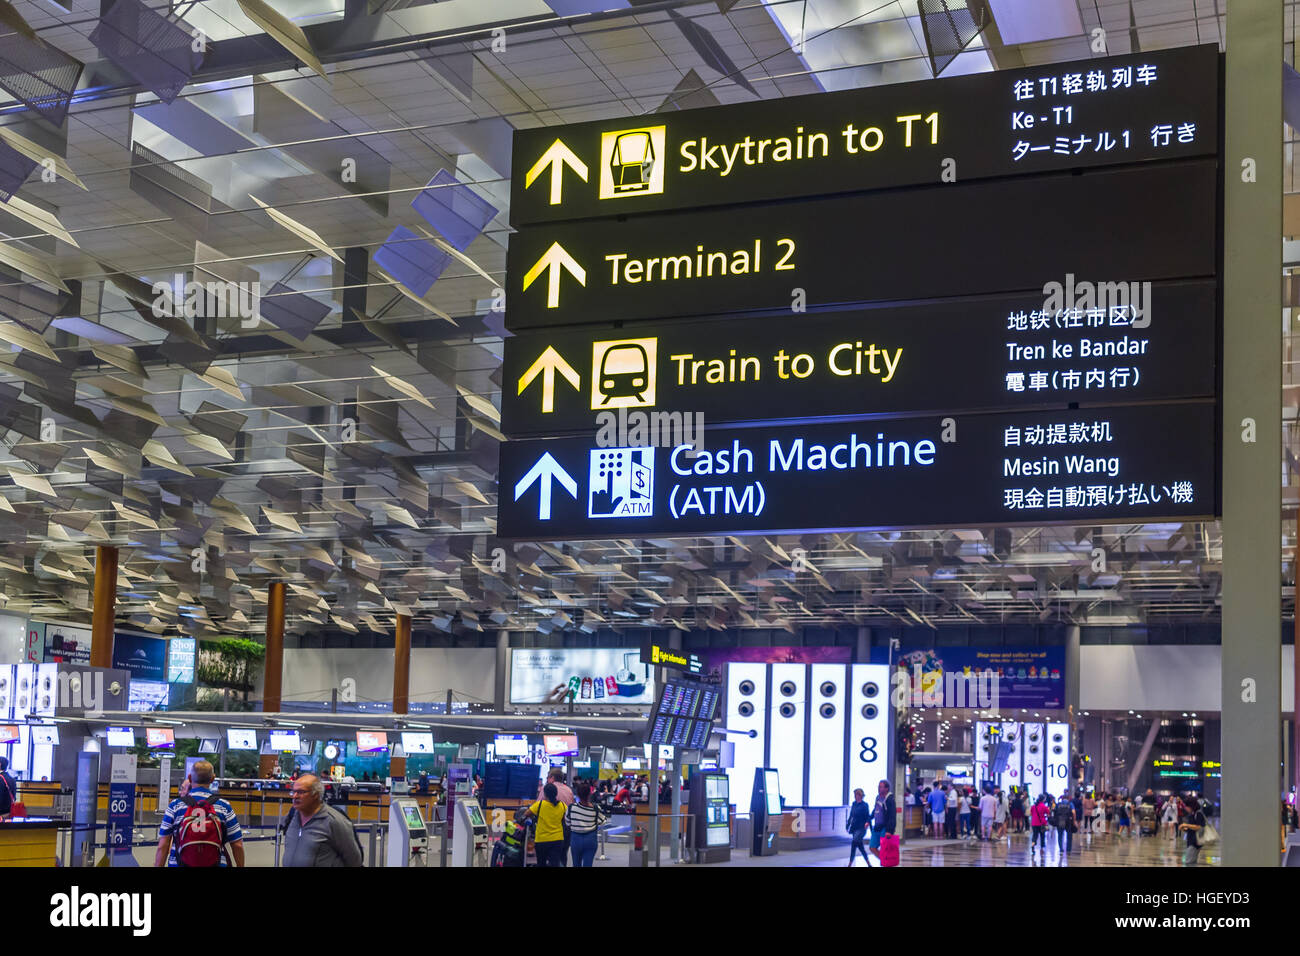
556 157
547 364
553 261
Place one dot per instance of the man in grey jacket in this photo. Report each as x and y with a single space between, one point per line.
316 834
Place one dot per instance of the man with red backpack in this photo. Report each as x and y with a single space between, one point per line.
199 829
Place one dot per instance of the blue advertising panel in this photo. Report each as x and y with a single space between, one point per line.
181 652
144 657
986 678
121 808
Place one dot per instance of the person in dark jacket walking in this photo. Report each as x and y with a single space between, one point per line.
884 817
859 818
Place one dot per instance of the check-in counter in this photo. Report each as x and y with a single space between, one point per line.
29 841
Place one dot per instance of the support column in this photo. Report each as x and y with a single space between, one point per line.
274 667
402 665
104 613
1252 431
1073 671
401 682
502 672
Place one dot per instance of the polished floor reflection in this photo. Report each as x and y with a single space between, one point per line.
1015 850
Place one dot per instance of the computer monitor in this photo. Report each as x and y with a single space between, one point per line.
208 745
371 740
45 734
417 743
772 789
121 737
239 738
9 734
160 738
560 745
284 741
511 745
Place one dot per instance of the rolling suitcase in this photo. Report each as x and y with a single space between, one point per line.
889 849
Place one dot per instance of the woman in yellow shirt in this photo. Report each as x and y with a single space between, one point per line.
549 840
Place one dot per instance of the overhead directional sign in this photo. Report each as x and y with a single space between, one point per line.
554 262
1097 343
1151 222
1103 111
1133 463
547 365
555 159
543 472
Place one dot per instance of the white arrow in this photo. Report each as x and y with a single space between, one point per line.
555 159
546 469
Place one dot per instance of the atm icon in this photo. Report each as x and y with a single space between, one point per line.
631 162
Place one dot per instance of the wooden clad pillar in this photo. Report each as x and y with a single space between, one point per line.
402 665
274 667
401 682
104 612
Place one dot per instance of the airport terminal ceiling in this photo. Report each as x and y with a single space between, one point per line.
348 442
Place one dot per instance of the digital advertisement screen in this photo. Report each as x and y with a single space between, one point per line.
772 789
144 657
368 740
589 676
241 739
971 678
560 745
9 734
417 743
511 745
285 741
181 654
209 745
120 737
159 738
45 735
144 696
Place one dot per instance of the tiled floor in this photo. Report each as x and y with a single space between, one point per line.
1089 851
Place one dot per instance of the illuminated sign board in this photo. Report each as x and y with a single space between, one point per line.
1116 464
997 352
1122 109
869 247
655 654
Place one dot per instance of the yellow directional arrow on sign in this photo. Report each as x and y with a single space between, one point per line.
547 364
555 158
555 259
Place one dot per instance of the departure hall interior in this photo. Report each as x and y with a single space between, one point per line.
680 434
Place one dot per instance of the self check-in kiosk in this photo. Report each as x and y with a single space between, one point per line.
408 836
765 812
470 845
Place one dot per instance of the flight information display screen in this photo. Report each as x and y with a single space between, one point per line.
683 713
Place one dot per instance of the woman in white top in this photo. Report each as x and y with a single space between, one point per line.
1169 816
963 814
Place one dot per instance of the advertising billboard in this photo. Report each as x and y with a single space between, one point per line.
974 678
144 657
589 675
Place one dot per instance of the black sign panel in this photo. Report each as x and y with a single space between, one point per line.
1135 463
1120 109
991 353
1150 222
